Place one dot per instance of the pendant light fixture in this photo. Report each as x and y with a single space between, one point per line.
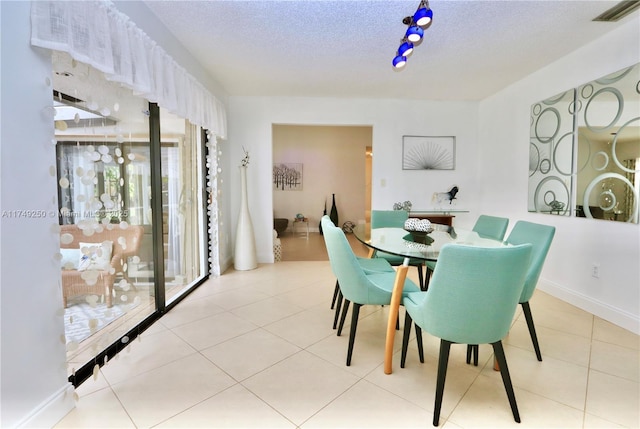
423 15
406 48
416 23
414 33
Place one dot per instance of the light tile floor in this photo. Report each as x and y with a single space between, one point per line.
255 349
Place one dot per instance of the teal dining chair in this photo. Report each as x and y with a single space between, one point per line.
356 286
369 265
540 237
469 304
486 226
395 219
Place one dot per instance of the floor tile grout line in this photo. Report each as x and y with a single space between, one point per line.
589 369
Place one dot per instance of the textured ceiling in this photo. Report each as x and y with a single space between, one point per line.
345 48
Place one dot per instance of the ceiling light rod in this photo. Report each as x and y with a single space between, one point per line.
416 23
618 11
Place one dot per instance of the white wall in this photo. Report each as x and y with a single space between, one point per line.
34 380
491 169
250 124
579 242
333 161
34 387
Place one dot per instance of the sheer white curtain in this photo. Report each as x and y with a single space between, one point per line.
78 198
96 33
171 171
213 211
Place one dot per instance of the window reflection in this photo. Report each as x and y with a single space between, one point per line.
183 217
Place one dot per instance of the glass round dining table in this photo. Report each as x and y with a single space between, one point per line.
425 246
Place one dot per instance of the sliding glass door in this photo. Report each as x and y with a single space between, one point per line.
182 204
131 212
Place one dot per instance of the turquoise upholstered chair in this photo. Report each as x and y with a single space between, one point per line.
486 226
540 237
469 304
356 286
395 219
369 265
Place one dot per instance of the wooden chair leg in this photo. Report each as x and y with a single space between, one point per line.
443 362
352 332
506 378
345 309
532 329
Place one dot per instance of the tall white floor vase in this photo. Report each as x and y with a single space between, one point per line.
245 252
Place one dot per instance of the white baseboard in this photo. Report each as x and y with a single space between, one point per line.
52 410
624 319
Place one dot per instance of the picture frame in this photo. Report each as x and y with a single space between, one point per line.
428 152
287 176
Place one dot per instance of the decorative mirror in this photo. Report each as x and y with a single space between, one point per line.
591 134
608 133
551 155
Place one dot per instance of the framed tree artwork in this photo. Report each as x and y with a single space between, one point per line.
287 177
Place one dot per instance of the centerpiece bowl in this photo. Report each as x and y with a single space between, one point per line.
421 237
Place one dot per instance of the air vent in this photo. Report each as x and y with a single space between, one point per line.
618 11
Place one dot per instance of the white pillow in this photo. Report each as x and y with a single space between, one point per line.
70 259
95 256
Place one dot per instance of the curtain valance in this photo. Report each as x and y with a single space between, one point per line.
96 33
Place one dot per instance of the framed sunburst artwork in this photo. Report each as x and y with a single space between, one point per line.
428 153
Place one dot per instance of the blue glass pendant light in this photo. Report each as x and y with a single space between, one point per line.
423 16
399 61
414 33
405 49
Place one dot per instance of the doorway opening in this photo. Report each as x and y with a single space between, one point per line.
335 162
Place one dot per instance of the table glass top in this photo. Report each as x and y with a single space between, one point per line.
400 242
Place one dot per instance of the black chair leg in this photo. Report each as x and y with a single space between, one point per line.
427 279
405 339
506 378
443 362
532 329
421 277
335 295
472 349
419 341
352 332
338 307
345 309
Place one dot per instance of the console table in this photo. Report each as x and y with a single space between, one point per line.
441 217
